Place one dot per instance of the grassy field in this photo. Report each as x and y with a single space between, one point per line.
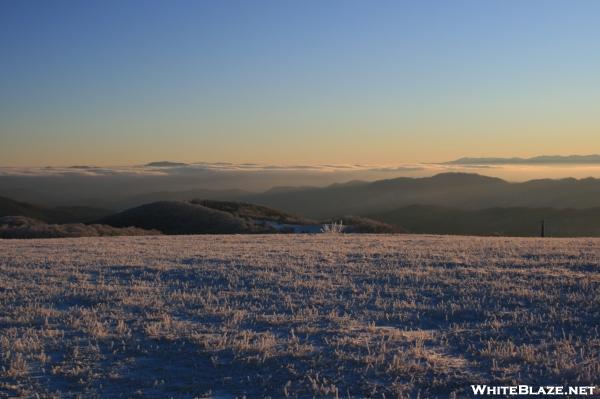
295 316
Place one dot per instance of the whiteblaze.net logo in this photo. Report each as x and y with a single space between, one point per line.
524 390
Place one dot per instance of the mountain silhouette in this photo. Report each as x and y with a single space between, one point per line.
454 190
543 159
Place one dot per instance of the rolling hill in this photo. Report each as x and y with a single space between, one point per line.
179 195
178 217
209 217
251 212
227 217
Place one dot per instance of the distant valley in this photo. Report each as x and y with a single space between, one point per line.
449 203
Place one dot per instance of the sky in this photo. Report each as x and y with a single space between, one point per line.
306 82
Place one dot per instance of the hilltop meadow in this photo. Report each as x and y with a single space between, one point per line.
297 316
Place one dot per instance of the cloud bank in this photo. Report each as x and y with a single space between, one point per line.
165 168
105 186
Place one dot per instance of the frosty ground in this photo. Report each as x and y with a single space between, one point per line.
295 315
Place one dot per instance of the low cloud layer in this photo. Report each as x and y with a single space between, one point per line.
203 167
519 171
104 186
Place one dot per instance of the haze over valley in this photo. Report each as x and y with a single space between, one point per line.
462 203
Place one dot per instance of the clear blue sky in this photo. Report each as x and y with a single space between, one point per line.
118 82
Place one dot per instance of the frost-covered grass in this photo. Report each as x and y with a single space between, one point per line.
298 316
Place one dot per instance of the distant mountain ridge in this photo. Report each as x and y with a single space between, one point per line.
455 190
543 159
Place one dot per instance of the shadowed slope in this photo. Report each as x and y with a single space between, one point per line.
495 221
